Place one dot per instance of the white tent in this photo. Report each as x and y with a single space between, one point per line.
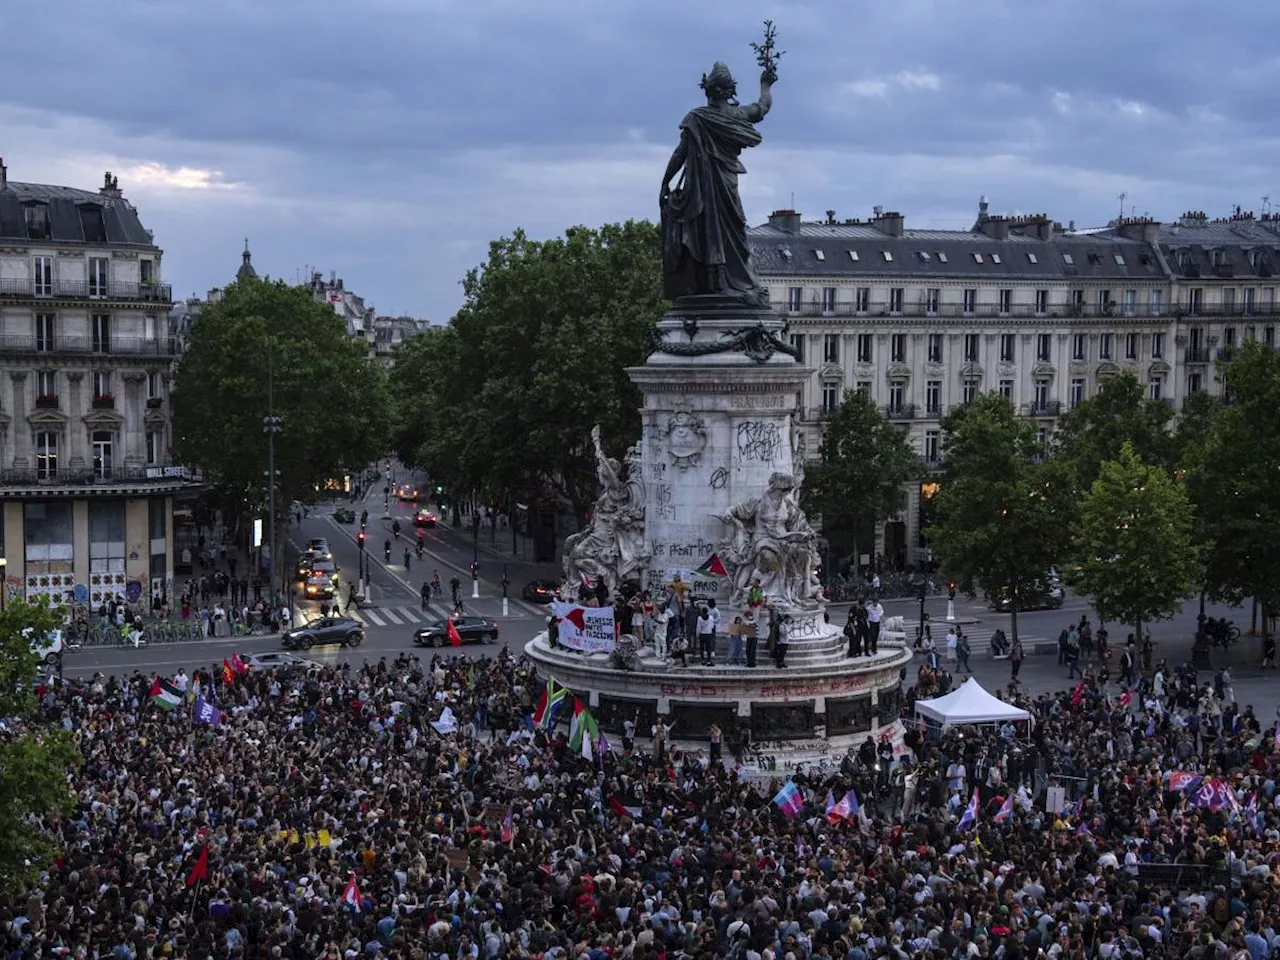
969 703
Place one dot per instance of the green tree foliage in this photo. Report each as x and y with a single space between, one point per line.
502 402
863 463
996 524
1136 552
330 396
1236 484
34 761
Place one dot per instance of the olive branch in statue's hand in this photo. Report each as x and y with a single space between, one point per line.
767 54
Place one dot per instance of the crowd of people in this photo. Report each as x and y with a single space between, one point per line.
410 809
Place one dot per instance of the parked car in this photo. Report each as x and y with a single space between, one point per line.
278 658
426 518
324 631
343 515
471 629
47 649
1041 595
319 547
540 591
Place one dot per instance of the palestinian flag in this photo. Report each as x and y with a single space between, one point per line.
583 730
713 566
165 696
544 714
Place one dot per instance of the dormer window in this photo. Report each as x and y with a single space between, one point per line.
1119 260
1069 260
95 230
942 257
37 215
1031 258
888 256
995 258
977 258
923 255
1095 259
853 255
820 255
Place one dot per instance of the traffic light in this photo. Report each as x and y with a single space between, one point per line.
951 590
475 570
360 539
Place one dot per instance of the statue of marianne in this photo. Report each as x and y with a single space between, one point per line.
704 228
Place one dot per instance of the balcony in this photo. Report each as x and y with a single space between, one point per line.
104 401
47 401
933 411
1193 309
155 403
900 411
931 461
61 476
1195 355
164 346
817 414
160 294
1225 354
1046 408
884 308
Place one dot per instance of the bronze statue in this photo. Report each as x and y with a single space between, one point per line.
704 228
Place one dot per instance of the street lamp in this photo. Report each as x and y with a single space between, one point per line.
475 552
4 581
271 426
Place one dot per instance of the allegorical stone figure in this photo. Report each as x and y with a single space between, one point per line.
704 228
611 547
773 544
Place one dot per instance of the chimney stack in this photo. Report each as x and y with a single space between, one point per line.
787 221
831 216
4 174
110 186
890 222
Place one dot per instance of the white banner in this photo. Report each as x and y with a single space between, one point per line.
589 629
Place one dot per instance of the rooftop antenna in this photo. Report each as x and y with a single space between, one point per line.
793 199
1266 205
1122 196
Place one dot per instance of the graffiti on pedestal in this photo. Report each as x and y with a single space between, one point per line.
759 441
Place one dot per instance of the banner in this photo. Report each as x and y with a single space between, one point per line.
589 629
694 584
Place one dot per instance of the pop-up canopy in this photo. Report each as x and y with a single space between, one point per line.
969 703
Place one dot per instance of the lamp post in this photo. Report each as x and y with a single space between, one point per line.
475 552
4 581
506 582
271 426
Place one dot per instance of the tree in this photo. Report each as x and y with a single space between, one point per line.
1235 485
34 760
996 523
863 462
502 402
329 394
1136 552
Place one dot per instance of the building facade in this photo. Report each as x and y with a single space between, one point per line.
87 482
390 332
923 319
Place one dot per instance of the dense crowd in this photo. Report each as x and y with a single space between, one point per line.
407 809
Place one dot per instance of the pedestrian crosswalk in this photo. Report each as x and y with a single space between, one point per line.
404 616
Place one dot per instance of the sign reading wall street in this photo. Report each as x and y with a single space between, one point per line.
589 629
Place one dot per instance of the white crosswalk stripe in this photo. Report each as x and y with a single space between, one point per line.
391 615
370 617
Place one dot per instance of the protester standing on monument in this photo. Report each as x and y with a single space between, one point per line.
781 641
705 628
754 625
875 613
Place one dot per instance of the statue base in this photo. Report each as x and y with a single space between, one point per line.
720 330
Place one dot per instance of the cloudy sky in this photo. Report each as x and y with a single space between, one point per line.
390 140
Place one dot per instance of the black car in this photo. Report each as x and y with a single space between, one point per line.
1042 595
540 591
471 629
325 631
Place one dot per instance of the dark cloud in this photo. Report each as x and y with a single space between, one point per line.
391 139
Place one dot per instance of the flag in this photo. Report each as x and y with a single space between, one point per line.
1181 780
713 566
602 747
1126 698
1077 695
351 894
228 675
544 713
508 827
789 800
1083 829
1254 814
855 808
447 723
455 638
164 696
970 815
1213 794
206 713
622 810
471 676
238 665
799 848
1006 810
201 870
831 805
583 730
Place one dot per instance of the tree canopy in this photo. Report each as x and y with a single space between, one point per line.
33 763
501 402
330 396
863 462
996 522
1136 553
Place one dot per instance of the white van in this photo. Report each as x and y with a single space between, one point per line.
50 648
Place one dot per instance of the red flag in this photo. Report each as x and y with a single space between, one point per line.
508 827
1077 695
238 665
228 675
201 870
1126 698
455 638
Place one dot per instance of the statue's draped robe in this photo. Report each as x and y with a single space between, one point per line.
704 227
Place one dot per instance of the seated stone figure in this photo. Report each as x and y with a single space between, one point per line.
772 542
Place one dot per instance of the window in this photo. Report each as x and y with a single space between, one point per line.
1042 301
1044 347
1195 383
1269 299
101 332
106 536
1156 302
971 347
101 440
977 258
46 384
1195 299
1119 260
862 299
888 256
1069 260
42 275
942 257
820 255
91 223
935 348
1104 302
1042 437
155 447
830 397
1130 303
1157 346
1106 343
1131 346
853 255
1078 346
864 348
1008 343
1006 300
1006 389
1031 258
932 446
933 397
923 255
1094 259
864 387
898 347
1228 299
1156 390
795 298
995 258
897 396
101 383
98 276
1042 395
970 300
1269 336
895 299
828 300
45 341
797 344
157 528
1077 392
931 299
969 390
1077 298
48 530
1249 294
145 271
37 217
831 348
46 455
1229 336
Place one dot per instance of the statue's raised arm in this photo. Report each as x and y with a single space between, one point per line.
607 469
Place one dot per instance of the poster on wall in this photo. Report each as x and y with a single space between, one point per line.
588 629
